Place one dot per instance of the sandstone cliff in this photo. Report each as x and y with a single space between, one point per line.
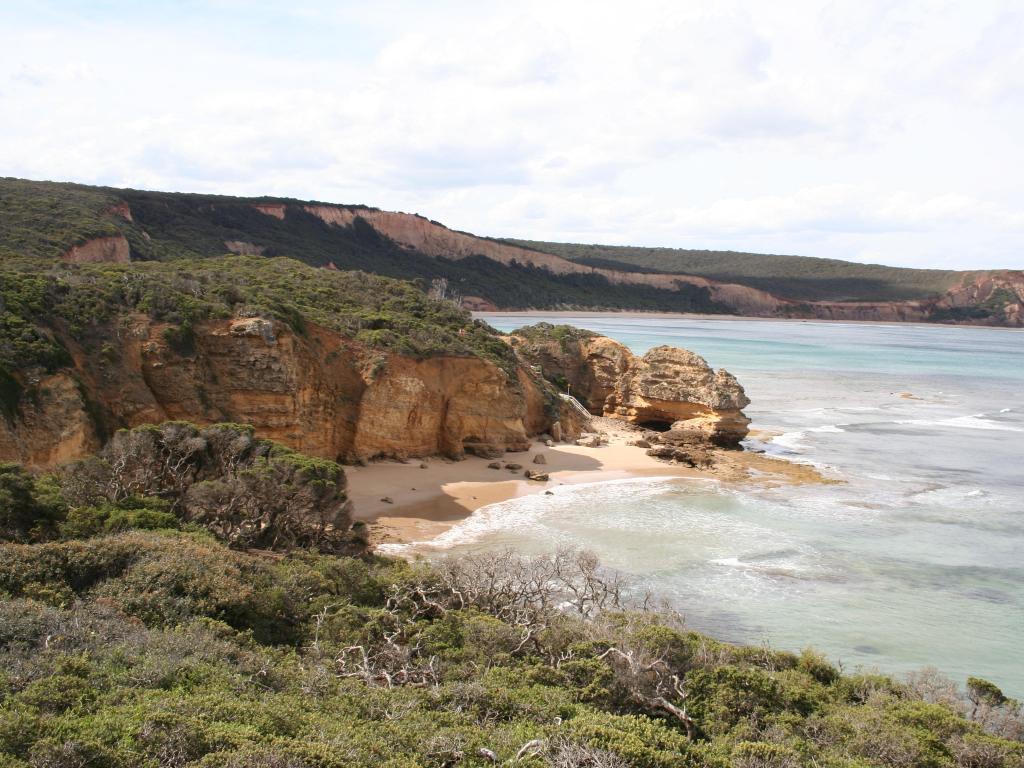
667 389
113 249
319 393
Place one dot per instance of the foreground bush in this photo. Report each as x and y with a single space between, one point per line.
248 492
165 648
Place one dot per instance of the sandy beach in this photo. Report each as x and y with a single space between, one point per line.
529 315
420 499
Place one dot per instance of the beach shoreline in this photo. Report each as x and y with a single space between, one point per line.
656 315
420 499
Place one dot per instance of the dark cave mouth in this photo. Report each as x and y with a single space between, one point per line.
655 425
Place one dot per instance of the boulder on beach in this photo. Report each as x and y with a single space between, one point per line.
539 459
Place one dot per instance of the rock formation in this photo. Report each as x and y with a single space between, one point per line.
667 389
675 388
319 393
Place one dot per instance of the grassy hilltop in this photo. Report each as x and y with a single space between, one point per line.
796 277
45 219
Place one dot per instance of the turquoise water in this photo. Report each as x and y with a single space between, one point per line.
916 559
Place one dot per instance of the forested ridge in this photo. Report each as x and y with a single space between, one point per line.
796 277
48 220
45 219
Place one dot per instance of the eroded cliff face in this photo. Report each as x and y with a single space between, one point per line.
666 389
52 426
433 239
989 298
1001 292
113 249
318 393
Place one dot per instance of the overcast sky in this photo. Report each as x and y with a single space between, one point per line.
869 130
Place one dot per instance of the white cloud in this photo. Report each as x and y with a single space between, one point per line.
858 129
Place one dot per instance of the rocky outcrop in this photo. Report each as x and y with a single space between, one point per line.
51 425
319 393
1000 294
589 365
667 389
277 210
113 249
675 388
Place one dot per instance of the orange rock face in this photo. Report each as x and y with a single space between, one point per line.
53 427
667 387
318 393
271 209
112 249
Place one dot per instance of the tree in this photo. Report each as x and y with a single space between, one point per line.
25 511
248 492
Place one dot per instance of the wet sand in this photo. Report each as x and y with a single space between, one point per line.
426 497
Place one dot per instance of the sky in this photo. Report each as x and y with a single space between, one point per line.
887 131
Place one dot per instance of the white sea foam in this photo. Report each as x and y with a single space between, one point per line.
949 495
792 441
977 421
525 512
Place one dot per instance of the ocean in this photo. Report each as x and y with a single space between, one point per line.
915 559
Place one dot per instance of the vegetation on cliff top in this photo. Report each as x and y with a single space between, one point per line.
563 334
794 277
129 636
44 219
41 301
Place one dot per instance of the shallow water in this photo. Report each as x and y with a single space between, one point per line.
917 559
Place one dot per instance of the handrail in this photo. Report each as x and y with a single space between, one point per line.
575 404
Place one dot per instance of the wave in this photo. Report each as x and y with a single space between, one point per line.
977 421
790 562
525 512
791 445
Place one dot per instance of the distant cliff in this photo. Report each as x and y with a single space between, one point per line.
89 224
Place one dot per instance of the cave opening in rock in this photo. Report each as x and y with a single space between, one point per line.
656 425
